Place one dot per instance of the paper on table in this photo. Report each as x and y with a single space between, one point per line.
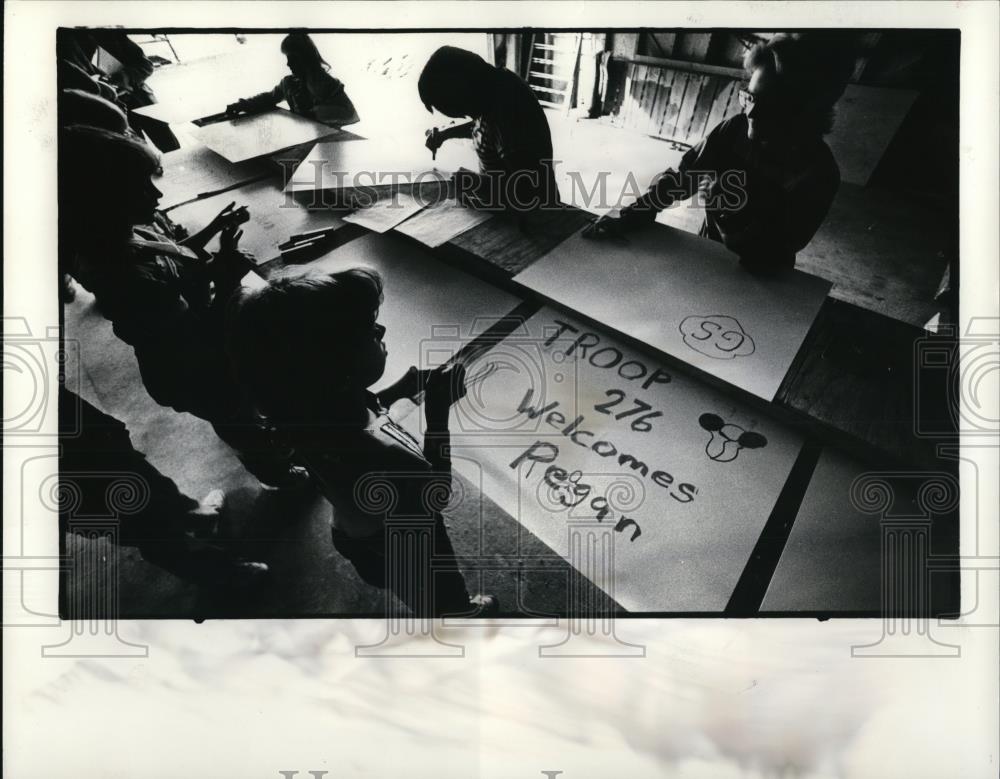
441 222
834 559
247 137
368 162
559 434
430 307
274 217
689 297
387 212
197 170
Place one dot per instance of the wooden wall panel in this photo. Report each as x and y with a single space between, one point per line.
675 104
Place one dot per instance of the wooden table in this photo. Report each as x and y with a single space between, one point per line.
853 383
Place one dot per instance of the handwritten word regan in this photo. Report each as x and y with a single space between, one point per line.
570 491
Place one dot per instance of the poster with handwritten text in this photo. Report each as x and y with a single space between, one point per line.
653 485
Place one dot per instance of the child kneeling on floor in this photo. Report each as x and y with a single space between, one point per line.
306 350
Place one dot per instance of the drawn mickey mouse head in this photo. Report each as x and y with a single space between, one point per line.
728 439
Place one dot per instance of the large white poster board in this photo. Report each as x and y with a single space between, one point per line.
428 307
832 560
563 424
687 296
247 137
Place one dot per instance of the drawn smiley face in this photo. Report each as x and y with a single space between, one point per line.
728 440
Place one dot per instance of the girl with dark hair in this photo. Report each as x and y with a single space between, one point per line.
767 176
306 350
508 128
164 298
310 90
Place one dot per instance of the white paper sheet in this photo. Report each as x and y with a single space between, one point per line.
247 137
387 212
685 477
196 170
441 222
835 558
688 297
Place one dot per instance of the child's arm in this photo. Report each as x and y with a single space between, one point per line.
410 385
437 136
445 387
262 102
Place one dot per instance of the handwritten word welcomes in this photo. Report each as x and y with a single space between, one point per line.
577 433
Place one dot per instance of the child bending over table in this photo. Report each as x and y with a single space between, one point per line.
310 90
307 350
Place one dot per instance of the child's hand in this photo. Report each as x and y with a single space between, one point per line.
434 140
413 383
234 109
445 386
230 216
229 240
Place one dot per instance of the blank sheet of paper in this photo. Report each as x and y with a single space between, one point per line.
196 170
441 222
247 137
388 212
689 297
841 554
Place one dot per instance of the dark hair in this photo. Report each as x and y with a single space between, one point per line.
77 107
292 344
300 44
452 77
98 172
812 70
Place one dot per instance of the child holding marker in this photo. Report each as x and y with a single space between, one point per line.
314 390
310 90
508 128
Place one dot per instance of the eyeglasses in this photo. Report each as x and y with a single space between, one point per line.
770 104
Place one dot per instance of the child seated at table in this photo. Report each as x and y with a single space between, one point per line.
310 91
164 298
508 129
306 350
